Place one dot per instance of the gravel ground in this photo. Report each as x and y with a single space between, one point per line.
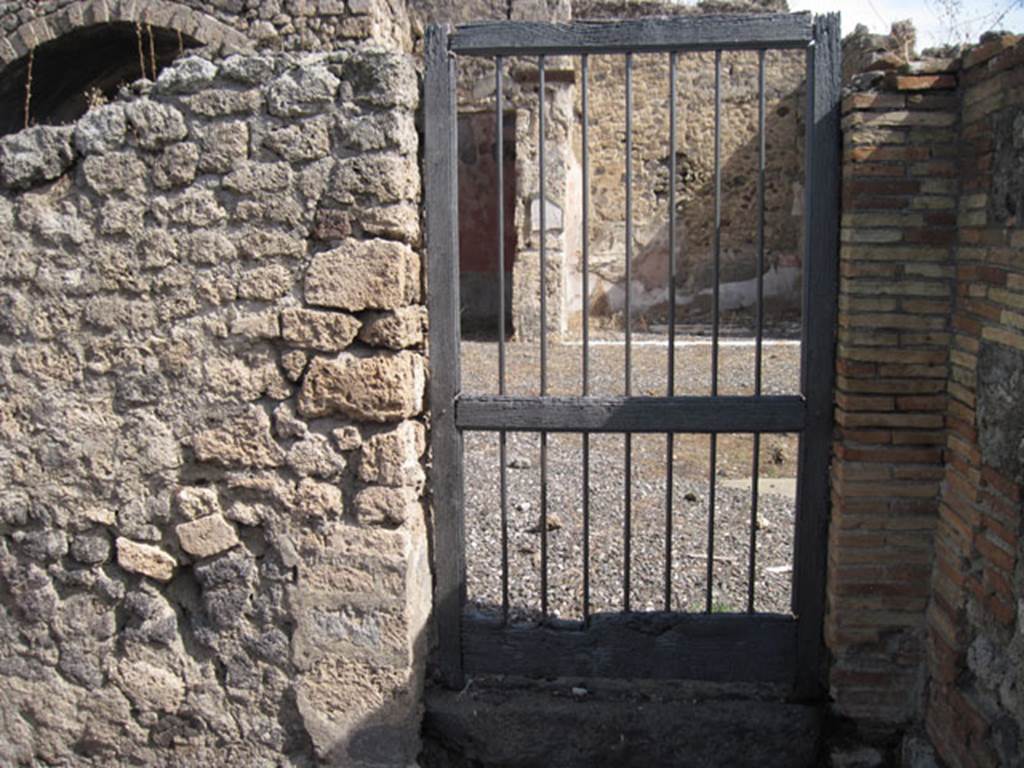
607 489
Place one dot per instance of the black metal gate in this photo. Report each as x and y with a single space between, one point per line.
748 646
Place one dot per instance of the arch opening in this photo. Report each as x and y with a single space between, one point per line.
85 66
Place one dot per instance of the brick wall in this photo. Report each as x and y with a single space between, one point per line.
896 269
975 715
924 565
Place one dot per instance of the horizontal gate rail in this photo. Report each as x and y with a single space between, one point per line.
784 413
666 646
686 33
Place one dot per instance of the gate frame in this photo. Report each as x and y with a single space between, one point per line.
748 647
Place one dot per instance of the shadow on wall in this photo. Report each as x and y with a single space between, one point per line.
58 81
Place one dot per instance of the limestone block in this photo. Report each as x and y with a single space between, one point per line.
244 441
91 548
207 536
376 389
400 221
387 178
255 178
376 505
186 75
302 91
300 142
382 78
315 456
115 172
252 70
223 146
316 499
405 327
294 363
145 559
376 131
194 207
193 503
392 457
372 274
221 102
150 688
323 331
34 155
287 424
101 129
177 166
260 244
265 283
155 125
347 438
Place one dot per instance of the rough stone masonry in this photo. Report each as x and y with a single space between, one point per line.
212 543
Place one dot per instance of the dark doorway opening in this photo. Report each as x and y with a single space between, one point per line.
81 68
478 221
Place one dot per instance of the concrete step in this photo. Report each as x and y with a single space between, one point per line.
499 722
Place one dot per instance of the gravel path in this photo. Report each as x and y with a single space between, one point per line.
690 488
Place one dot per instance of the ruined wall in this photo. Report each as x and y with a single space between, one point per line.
212 545
230 25
975 638
695 174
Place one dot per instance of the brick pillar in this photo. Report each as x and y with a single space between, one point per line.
898 229
973 636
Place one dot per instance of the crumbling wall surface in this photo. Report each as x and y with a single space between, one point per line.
212 546
976 641
230 25
898 236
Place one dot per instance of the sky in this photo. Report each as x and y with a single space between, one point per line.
961 21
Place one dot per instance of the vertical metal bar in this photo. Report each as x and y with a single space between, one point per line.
628 522
821 245
755 469
584 74
543 349
441 187
671 386
716 278
499 149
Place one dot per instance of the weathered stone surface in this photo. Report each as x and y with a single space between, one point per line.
265 283
222 102
308 140
378 130
193 503
252 70
323 331
386 178
383 388
145 559
244 442
372 274
302 92
115 172
223 146
207 536
177 166
380 505
315 456
1000 388
314 499
400 221
261 244
186 75
151 688
254 178
34 155
405 327
155 125
101 129
392 457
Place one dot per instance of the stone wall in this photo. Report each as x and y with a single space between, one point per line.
227 25
975 711
212 544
